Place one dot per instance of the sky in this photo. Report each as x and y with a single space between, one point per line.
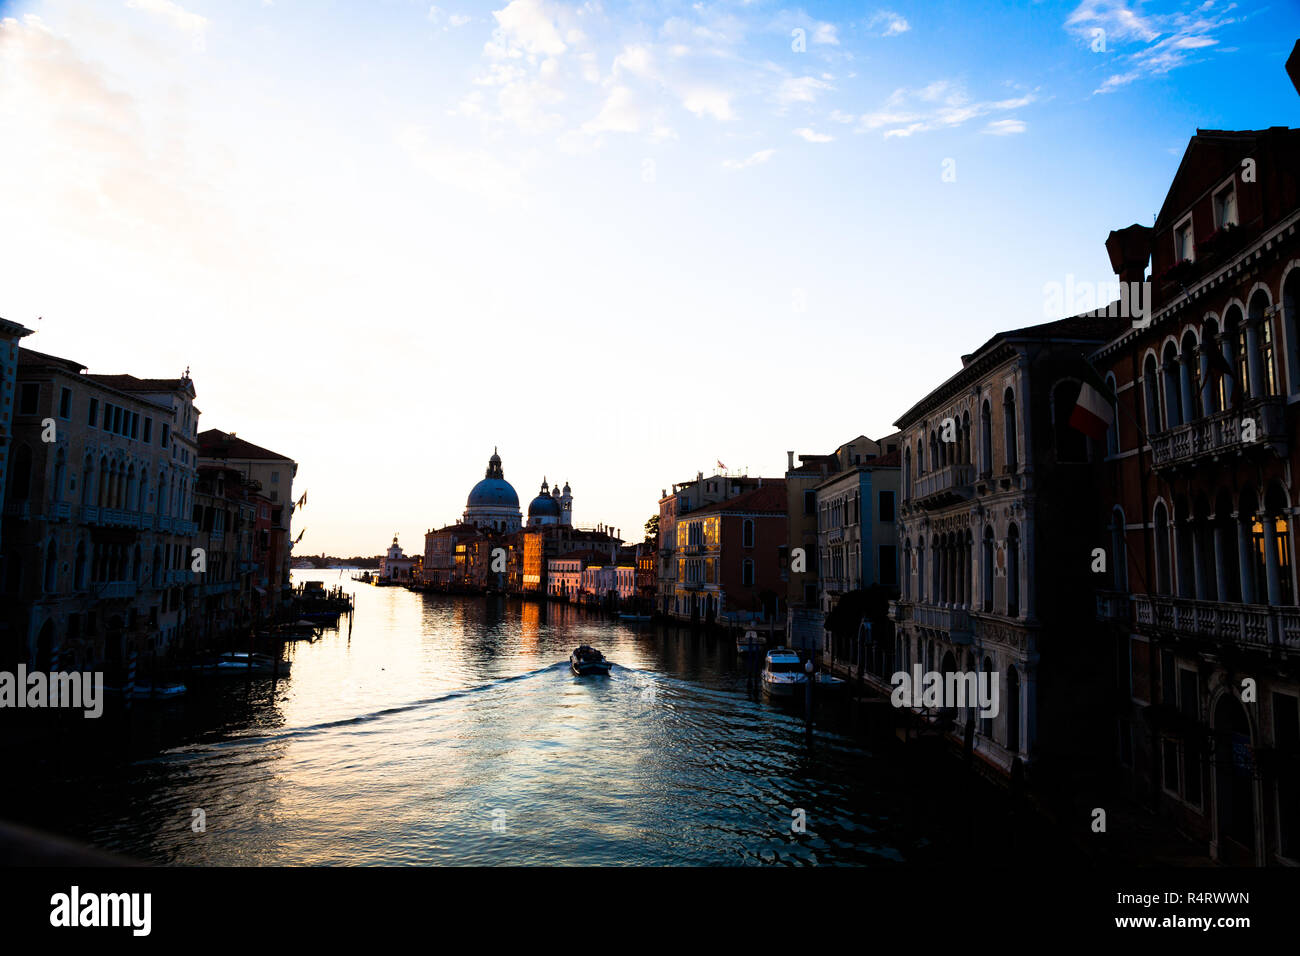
620 242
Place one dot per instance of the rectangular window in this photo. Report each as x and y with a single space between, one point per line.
1183 250
1168 690
29 397
886 506
275 477
810 502
1225 207
166 433
65 404
889 565
1188 694
148 430
94 412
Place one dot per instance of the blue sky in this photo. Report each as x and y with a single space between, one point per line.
622 242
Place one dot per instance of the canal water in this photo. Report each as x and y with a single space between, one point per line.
450 730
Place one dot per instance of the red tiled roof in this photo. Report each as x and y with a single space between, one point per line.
218 444
33 357
771 497
129 383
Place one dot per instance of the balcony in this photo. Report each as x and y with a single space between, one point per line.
953 620
1221 434
900 611
22 510
178 576
115 590
164 523
945 486
1113 607
1256 626
693 585
118 518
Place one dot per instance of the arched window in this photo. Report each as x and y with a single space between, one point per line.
79 572
747 573
747 533
1118 550
1264 336
1013 571
1291 322
986 723
1112 433
965 438
1161 546
60 475
920 570
907 569
51 567
1172 387
88 481
920 458
1234 350
20 476
1209 393
986 439
1013 710
986 576
1151 394
907 474
1009 429
1187 373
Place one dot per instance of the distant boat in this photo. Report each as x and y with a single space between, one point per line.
634 617
749 642
240 664
783 672
150 690
587 660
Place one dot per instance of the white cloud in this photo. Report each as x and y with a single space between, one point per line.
941 104
827 34
753 159
178 17
525 26
1004 127
813 137
801 89
438 15
709 101
1171 40
619 114
892 23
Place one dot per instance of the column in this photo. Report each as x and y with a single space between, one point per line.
1182 587
1028 601
1230 383
1252 357
1270 561
1220 570
1023 418
1198 564
1207 386
1245 560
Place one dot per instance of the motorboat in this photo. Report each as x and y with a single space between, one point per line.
587 660
634 617
240 664
783 672
749 642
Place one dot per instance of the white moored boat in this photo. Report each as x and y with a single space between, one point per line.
783 672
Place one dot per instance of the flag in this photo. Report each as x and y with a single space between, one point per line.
303 500
1093 414
1216 366
722 466
300 534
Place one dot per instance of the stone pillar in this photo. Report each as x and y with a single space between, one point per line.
1182 587
1028 600
1272 569
1253 362
1023 418
1168 372
1207 386
1245 560
1220 564
1230 384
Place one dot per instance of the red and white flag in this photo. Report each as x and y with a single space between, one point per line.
722 466
1093 414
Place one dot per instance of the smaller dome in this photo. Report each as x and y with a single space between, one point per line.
544 506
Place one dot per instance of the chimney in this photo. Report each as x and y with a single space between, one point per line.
789 461
1129 251
1293 66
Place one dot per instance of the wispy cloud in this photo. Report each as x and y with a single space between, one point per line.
812 136
1170 40
176 16
890 23
1004 127
753 159
800 89
941 104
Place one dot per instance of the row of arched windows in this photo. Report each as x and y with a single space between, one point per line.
951 569
1238 551
924 652
939 454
